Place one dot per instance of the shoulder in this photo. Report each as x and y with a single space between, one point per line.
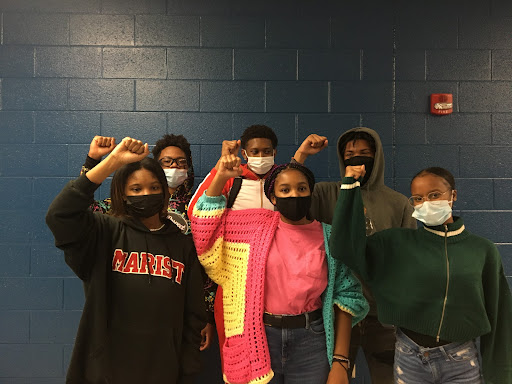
392 195
479 243
326 188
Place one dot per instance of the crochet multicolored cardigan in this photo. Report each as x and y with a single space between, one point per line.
233 247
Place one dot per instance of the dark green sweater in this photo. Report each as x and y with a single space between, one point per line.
439 281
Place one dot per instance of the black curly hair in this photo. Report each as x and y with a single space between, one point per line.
173 141
258 132
276 170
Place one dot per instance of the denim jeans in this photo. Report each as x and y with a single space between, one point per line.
298 355
448 364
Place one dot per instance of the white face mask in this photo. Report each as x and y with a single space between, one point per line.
433 213
260 165
175 176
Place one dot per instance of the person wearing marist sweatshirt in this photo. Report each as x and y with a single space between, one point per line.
384 208
144 308
442 286
288 305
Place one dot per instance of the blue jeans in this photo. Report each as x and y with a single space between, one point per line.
448 364
298 355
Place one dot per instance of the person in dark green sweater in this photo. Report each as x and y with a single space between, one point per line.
441 285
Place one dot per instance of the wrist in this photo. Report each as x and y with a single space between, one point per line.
94 156
300 157
342 361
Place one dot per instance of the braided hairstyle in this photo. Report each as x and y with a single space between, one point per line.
276 170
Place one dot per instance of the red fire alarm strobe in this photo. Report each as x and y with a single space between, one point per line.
441 103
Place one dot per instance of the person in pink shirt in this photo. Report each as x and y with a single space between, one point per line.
288 305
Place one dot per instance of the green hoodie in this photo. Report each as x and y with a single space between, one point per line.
386 207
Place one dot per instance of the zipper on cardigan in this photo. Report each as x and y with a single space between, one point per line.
447 280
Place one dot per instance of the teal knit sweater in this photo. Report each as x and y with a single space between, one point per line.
439 281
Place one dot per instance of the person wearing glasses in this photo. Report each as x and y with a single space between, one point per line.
174 156
441 285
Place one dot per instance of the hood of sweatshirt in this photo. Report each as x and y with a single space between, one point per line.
376 179
168 228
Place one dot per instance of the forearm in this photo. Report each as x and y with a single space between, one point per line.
217 185
342 331
103 170
300 157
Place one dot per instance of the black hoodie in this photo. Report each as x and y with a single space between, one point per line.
139 324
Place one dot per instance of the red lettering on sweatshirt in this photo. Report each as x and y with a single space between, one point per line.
159 265
159 259
166 268
118 260
180 267
132 265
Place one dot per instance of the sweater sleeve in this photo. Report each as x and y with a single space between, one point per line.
495 346
348 240
348 292
193 322
201 189
102 206
208 233
74 226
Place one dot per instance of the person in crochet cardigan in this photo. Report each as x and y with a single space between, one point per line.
442 286
288 305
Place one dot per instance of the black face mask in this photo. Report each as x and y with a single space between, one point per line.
144 205
367 161
293 208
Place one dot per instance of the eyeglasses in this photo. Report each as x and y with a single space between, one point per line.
181 162
434 195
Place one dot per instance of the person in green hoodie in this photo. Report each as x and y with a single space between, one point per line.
441 285
385 208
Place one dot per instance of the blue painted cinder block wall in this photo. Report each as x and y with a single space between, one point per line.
71 69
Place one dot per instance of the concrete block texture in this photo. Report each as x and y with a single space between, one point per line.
101 95
34 94
34 293
294 96
329 64
16 61
32 28
486 161
201 128
68 62
226 96
233 32
101 30
361 96
169 31
16 127
167 95
297 32
265 64
199 63
134 63
458 65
